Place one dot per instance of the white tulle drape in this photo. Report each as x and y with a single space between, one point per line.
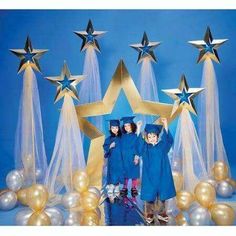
90 87
68 154
209 119
29 143
187 155
147 86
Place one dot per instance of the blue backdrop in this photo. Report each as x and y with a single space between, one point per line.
53 30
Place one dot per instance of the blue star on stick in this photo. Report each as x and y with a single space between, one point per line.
28 56
145 49
208 47
183 96
89 37
66 83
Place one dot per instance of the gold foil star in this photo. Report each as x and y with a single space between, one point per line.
183 96
208 47
121 80
145 49
89 37
28 56
66 83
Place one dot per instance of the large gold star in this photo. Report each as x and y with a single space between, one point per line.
120 80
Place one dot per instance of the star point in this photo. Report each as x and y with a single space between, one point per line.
208 47
66 83
28 56
183 96
145 49
89 37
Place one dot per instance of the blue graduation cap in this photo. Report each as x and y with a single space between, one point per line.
114 122
127 119
153 128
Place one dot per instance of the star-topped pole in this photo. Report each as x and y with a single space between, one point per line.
66 83
89 37
183 96
28 56
208 47
145 49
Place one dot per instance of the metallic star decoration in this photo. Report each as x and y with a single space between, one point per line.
183 96
121 81
89 37
208 47
145 49
66 83
28 56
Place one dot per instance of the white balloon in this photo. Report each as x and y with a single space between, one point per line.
14 180
23 216
212 182
55 215
70 200
200 216
73 219
224 189
8 200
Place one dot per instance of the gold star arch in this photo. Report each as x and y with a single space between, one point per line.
120 80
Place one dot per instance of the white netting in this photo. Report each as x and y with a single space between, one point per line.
90 90
29 144
187 156
147 86
209 119
68 154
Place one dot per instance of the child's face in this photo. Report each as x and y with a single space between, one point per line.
128 128
152 138
114 129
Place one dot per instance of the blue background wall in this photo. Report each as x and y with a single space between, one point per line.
53 30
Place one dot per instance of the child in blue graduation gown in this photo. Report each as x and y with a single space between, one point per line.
131 166
157 180
112 148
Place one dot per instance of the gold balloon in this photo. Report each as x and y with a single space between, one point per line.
37 197
222 214
89 201
22 196
89 218
184 199
39 219
205 194
220 171
181 220
178 180
81 181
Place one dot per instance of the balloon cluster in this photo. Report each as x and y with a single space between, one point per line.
225 186
83 203
15 181
200 208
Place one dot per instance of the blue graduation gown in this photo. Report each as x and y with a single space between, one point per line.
128 141
157 180
115 172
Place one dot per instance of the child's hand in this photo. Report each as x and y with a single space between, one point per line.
139 123
136 160
113 144
164 122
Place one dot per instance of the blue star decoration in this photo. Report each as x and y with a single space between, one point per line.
89 37
208 47
183 96
145 49
28 56
66 83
